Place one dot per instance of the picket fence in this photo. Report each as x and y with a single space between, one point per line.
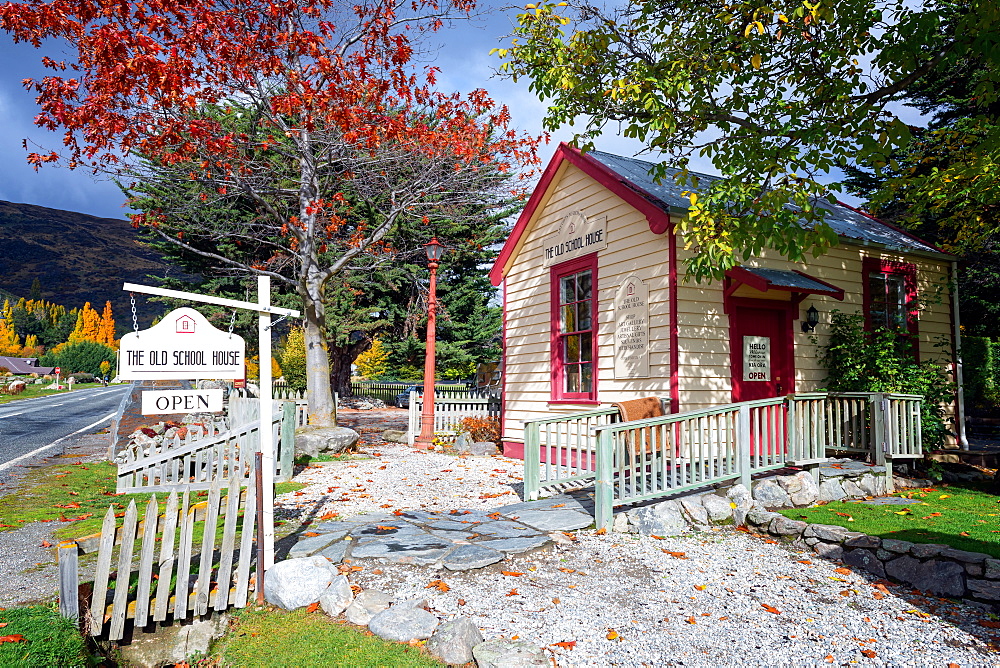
450 408
657 457
206 454
177 576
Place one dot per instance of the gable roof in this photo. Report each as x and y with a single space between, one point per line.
630 179
24 365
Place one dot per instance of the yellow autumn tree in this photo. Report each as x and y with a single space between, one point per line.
10 342
106 327
374 362
88 325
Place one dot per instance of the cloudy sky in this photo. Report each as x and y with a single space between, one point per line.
463 57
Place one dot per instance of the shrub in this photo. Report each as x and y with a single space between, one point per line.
481 429
82 377
80 357
883 361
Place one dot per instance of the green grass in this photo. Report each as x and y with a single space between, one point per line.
34 391
48 639
966 517
300 638
76 495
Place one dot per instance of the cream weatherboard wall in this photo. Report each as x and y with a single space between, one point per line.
704 371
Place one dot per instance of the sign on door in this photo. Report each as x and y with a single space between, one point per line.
756 358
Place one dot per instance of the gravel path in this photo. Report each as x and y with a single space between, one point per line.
705 599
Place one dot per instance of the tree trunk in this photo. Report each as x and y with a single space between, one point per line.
341 359
317 365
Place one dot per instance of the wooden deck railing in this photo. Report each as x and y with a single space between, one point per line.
656 457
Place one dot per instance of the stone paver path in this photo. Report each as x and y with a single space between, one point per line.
458 540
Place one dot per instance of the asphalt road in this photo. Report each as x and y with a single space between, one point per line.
27 426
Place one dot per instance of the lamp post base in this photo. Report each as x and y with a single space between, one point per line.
425 441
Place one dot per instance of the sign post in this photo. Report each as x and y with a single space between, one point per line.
184 359
58 369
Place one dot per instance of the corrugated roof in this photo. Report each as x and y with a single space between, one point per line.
844 220
791 280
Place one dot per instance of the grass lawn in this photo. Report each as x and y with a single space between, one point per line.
38 636
300 638
76 495
33 391
965 517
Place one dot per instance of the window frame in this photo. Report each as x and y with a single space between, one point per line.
557 381
908 271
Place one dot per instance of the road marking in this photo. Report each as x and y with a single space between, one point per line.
12 462
12 414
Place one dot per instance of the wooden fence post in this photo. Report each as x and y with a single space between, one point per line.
604 484
743 444
287 448
878 441
532 461
69 580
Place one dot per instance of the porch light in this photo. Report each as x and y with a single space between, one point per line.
812 319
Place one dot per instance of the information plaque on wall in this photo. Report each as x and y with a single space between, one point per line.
632 329
756 358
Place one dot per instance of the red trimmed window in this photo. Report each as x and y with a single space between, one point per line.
890 296
574 336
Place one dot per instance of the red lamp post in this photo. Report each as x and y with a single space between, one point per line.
426 439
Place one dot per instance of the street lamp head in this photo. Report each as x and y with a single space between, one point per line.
434 250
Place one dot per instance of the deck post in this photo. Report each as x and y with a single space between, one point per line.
604 485
879 442
743 444
532 461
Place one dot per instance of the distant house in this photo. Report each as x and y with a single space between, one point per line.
25 365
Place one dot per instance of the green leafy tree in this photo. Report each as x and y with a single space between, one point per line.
776 96
81 357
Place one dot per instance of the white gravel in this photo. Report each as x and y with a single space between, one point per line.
722 598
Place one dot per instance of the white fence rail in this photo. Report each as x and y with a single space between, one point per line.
450 408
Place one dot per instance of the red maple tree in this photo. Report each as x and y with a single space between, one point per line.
288 104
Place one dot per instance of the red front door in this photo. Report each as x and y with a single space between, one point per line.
761 351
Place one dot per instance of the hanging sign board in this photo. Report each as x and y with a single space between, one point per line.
182 346
632 329
577 236
756 358
156 402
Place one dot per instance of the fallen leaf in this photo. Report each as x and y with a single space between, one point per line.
310 534
567 570
842 571
556 601
512 592
964 533
770 608
701 587
905 511
559 505
313 607
46 543
877 595
691 620
513 574
771 541
804 561
945 496
656 537
566 644
612 634
722 619
440 585
377 571
379 527
386 505
494 516
600 532
828 658
461 601
870 653
676 555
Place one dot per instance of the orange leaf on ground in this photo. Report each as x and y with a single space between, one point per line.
397 512
327 516
513 574
701 587
310 534
494 516
877 595
722 619
512 592
804 561
567 570
842 571
46 543
656 537
771 541
559 505
556 601
691 620
600 532
566 644
676 555
313 607
870 653
440 585
770 608
612 634
461 601
386 505
828 658
17 637
743 528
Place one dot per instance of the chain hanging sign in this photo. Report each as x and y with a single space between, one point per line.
182 346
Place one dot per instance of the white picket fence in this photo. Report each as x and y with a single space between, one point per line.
450 408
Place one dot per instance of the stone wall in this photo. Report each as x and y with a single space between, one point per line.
934 569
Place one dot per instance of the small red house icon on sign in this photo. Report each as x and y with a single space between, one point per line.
185 325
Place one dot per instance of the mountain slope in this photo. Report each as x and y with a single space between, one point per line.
77 258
